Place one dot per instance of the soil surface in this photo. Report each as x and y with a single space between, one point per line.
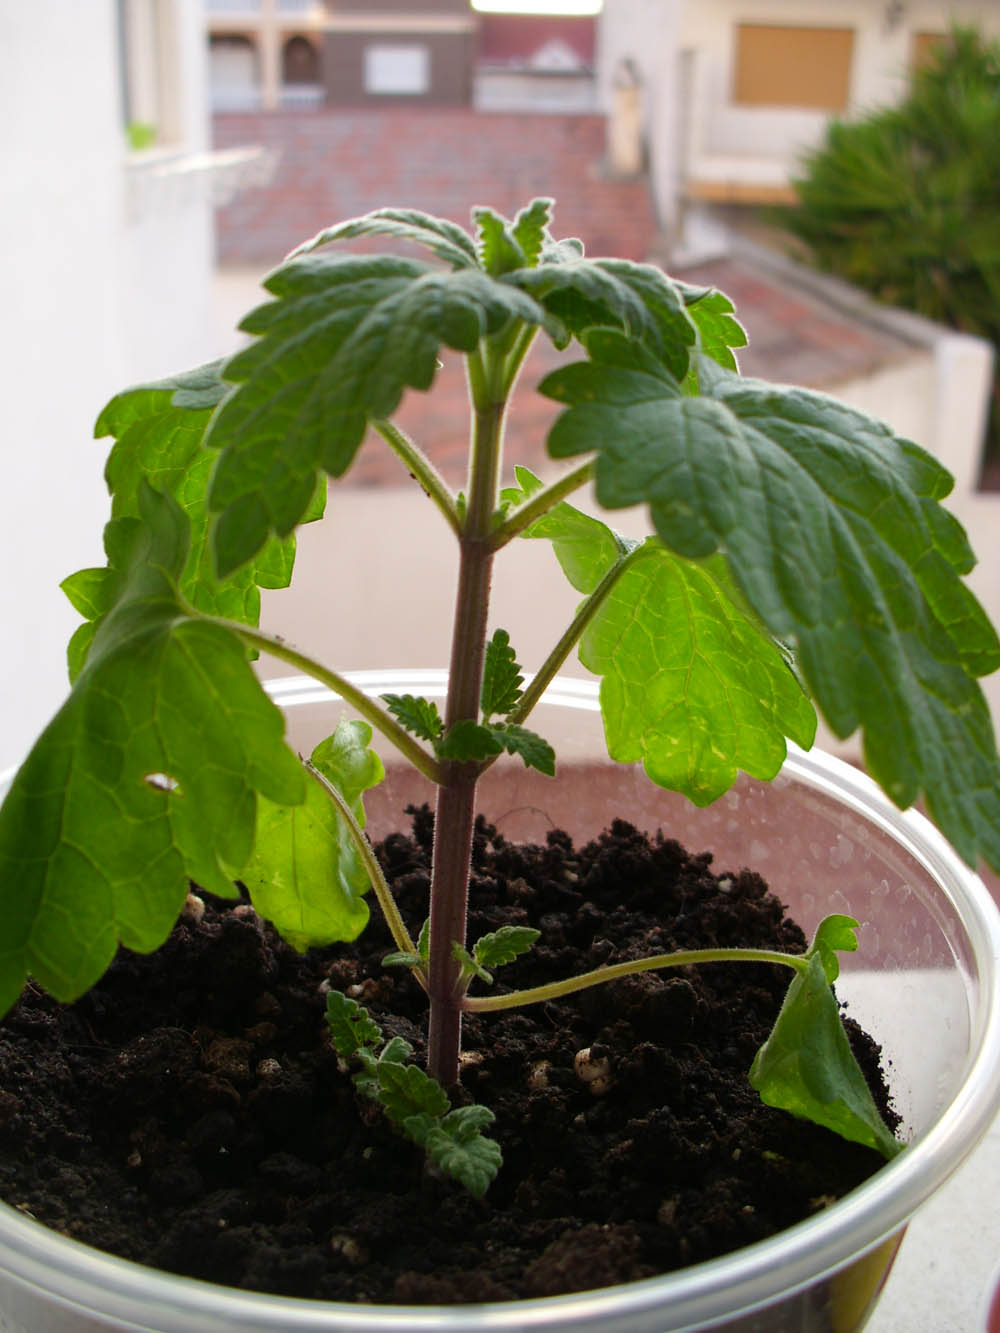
189 1112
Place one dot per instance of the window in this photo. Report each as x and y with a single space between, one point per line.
397 69
792 67
149 72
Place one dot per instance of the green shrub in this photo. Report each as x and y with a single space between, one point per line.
905 202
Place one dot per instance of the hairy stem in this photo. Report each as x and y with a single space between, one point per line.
422 469
684 958
397 926
407 745
456 806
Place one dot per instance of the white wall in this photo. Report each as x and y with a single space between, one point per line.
96 293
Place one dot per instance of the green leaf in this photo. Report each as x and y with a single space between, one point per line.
468 742
306 875
352 1028
719 331
159 431
117 806
400 958
406 1090
443 238
531 229
831 528
504 945
806 1066
336 348
419 716
834 933
690 685
498 251
586 548
470 966
639 299
457 1147
502 678
533 749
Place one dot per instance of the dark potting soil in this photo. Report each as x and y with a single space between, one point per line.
189 1113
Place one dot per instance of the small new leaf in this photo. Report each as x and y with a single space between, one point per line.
502 678
832 934
504 945
806 1066
418 715
470 966
468 742
457 1147
352 1028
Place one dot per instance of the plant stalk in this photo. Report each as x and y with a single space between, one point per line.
489 379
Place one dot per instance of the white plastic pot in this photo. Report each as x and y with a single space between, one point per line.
924 983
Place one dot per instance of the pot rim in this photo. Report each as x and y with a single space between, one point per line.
78 1275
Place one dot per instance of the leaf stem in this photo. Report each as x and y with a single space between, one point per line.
407 745
569 639
540 504
397 926
481 1004
423 470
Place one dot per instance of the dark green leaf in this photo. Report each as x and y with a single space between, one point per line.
468 741
504 945
306 875
345 336
502 679
406 1090
831 528
400 958
419 716
806 1066
116 808
528 745
690 685
351 1026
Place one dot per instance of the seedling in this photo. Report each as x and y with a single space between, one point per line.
799 558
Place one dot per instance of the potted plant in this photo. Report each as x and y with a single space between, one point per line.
799 556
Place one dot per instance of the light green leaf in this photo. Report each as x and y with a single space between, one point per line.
807 1067
502 679
834 934
585 547
498 251
470 966
690 686
528 745
504 945
337 347
830 527
719 331
531 229
306 875
147 776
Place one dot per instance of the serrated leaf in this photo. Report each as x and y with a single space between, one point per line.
498 251
336 348
639 299
504 945
351 1026
418 715
834 934
502 678
397 1050
825 519
116 808
530 229
689 685
406 1090
458 1148
443 238
719 331
806 1066
535 751
467 742
159 431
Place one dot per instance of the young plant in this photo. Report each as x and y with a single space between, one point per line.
799 557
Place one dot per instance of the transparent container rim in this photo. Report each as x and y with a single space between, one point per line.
100 1283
